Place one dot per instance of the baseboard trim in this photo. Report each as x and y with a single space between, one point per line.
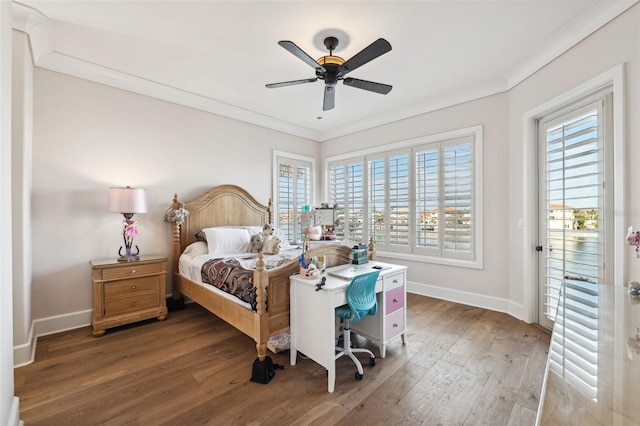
24 354
14 413
467 298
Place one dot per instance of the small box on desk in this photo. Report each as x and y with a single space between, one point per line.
359 254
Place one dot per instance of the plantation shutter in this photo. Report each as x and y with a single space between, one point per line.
457 197
427 199
377 201
338 184
574 157
355 201
399 203
347 192
294 191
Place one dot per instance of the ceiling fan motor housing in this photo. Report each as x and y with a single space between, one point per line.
330 76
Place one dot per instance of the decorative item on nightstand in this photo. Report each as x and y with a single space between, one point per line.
128 201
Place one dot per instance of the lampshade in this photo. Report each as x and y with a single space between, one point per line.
127 200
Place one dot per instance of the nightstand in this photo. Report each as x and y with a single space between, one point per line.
126 292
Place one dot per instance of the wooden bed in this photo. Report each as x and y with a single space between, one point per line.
227 205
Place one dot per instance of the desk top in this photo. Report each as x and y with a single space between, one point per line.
335 283
593 370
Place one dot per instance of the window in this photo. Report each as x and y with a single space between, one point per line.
420 200
293 181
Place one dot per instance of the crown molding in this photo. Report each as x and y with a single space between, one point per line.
589 21
41 33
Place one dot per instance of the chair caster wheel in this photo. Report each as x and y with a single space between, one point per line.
358 376
372 362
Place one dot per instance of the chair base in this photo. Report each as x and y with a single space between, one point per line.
350 352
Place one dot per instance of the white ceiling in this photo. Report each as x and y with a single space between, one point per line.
218 55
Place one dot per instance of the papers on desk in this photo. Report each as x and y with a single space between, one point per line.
347 272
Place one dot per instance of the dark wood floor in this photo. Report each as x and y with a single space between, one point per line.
461 365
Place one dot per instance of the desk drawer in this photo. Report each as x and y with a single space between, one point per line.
132 270
394 299
136 302
133 286
392 281
394 324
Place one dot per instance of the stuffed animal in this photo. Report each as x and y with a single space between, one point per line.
256 243
271 245
267 229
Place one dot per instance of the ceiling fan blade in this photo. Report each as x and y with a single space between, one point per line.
375 49
300 54
371 86
291 83
329 98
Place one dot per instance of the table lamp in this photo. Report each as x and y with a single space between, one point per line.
128 201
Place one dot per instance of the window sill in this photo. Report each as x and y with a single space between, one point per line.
460 263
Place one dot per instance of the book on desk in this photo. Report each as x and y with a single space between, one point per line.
347 272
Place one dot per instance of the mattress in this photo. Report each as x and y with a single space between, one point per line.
192 267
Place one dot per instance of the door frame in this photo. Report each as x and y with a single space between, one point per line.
615 78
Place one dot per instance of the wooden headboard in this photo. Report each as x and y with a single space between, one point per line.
222 205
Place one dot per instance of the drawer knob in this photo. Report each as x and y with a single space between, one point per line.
395 281
394 300
395 325
134 304
133 287
133 271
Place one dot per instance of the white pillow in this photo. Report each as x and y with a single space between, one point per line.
223 240
196 249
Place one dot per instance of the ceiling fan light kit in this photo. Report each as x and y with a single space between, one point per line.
332 69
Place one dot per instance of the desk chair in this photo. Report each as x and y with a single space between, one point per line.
361 301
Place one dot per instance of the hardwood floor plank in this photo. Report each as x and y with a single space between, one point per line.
460 364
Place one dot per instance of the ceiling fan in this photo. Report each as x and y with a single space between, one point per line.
332 68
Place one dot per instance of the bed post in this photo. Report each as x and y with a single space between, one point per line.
262 323
176 250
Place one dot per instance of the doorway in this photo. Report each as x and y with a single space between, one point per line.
573 245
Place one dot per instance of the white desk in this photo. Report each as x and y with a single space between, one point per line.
312 322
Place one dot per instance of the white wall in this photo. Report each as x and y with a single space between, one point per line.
9 406
88 137
22 124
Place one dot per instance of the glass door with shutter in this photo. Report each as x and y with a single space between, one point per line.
573 227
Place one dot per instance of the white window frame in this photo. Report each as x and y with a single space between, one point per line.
278 156
476 133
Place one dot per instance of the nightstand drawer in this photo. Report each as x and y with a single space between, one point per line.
132 286
132 270
118 305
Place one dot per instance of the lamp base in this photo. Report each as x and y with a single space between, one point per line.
131 258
